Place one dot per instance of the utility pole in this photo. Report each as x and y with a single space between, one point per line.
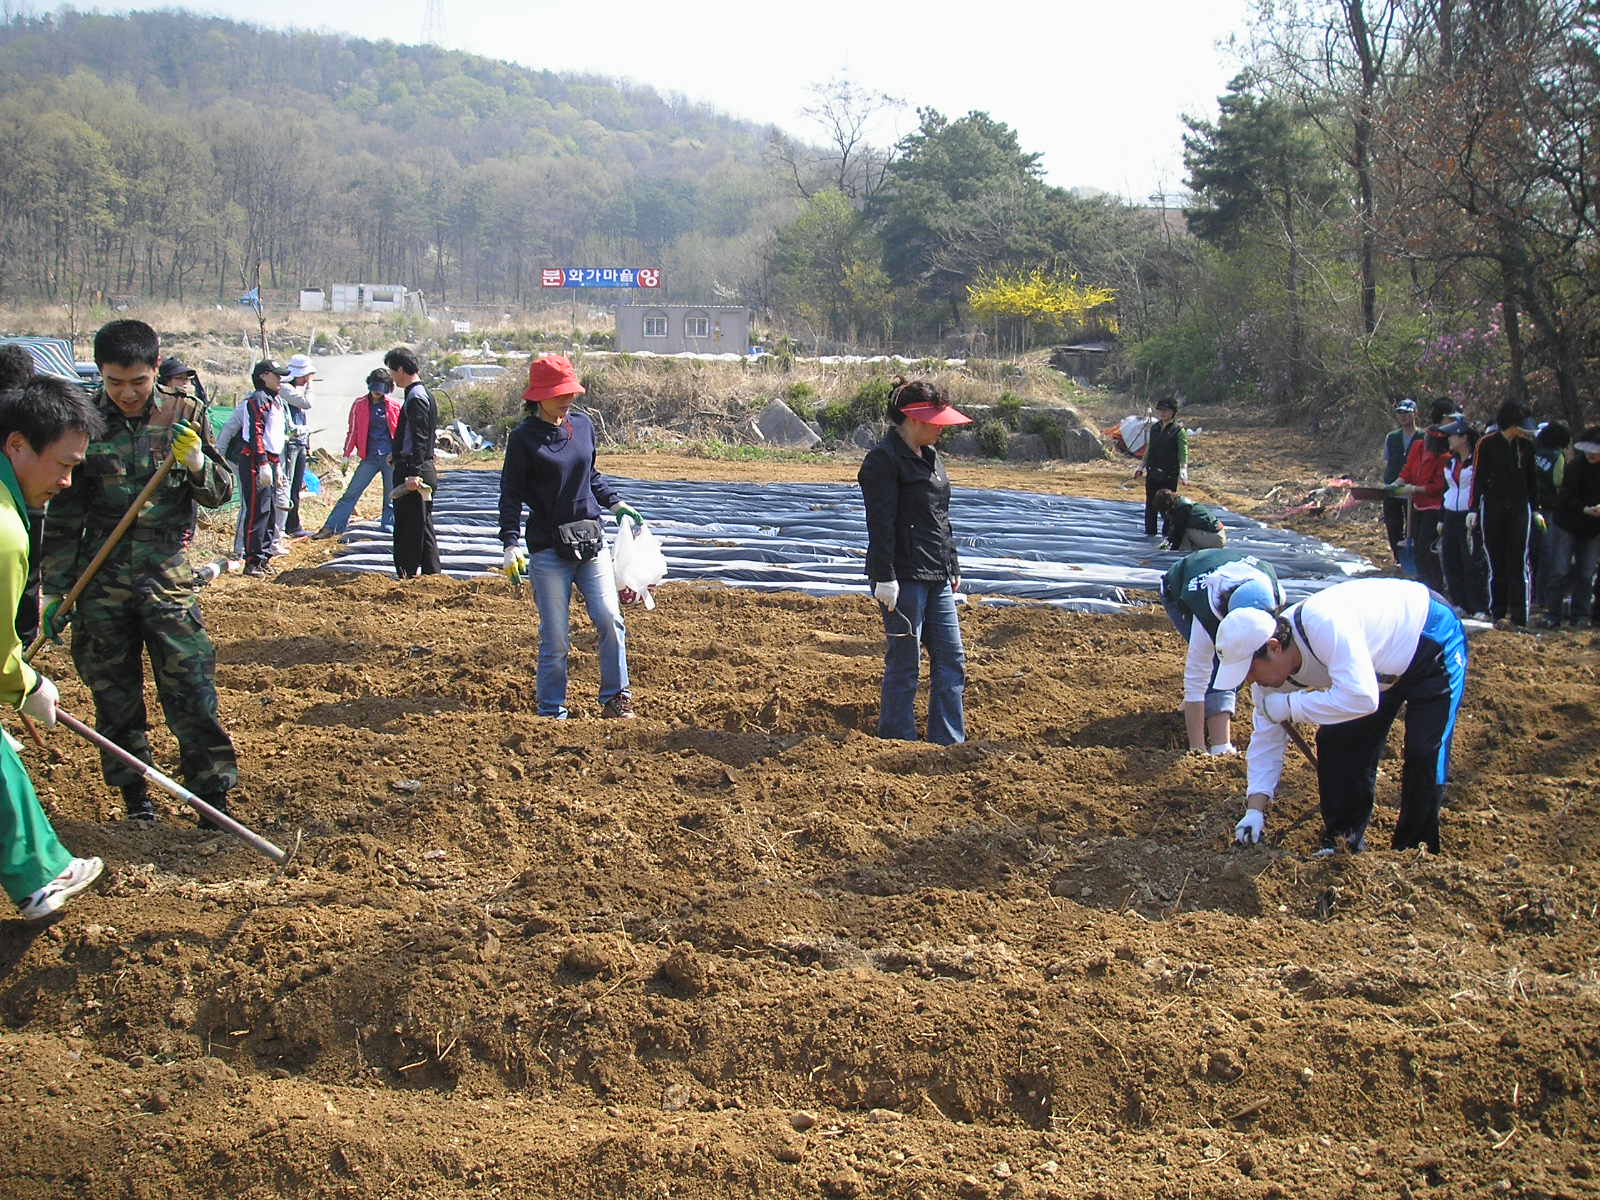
433 23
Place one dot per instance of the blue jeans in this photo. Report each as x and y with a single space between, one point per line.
367 470
925 615
1217 701
552 578
1572 561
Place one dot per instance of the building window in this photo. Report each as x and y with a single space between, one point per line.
696 327
655 326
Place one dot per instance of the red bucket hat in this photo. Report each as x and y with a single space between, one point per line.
551 376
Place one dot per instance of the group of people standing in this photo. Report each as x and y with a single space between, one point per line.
392 437
1504 523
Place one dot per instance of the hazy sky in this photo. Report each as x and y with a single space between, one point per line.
1096 88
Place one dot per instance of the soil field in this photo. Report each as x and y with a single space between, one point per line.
742 947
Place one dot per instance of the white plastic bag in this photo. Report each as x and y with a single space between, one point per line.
637 560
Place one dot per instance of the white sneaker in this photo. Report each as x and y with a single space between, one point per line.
1225 749
47 901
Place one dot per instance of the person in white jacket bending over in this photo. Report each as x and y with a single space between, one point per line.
1345 660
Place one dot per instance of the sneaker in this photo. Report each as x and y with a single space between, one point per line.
47 901
324 534
257 570
1223 750
619 707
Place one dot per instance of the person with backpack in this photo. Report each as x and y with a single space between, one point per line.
374 421
1166 458
550 470
1198 591
262 437
416 549
1347 660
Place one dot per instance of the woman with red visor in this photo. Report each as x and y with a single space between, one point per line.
912 566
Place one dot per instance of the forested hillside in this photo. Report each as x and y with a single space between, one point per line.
167 153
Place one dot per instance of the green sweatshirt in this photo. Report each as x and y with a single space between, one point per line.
17 678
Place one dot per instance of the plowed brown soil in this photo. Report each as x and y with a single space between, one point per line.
742 947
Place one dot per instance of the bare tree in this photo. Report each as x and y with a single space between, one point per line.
850 164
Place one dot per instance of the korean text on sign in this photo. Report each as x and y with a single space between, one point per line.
600 277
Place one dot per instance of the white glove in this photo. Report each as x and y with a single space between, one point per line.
1472 520
1138 471
515 562
40 704
1250 827
887 593
264 476
1275 707
1183 475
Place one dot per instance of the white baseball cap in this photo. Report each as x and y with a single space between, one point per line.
300 365
1239 635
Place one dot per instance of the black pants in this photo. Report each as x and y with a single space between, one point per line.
257 501
1348 753
1506 533
1153 483
416 551
1394 524
1465 577
1425 547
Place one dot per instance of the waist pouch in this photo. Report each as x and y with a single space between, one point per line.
579 541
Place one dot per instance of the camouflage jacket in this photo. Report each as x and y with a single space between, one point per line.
116 467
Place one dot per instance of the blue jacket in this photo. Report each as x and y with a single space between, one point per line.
551 471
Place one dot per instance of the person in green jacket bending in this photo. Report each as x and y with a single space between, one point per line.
45 427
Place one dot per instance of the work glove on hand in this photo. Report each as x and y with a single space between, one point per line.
1250 828
1138 471
622 509
264 477
1275 707
955 583
186 448
40 704
515 563
52 622
1539 522
1183 475
887 593
1472 520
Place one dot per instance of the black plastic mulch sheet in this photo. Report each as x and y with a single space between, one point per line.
1015 546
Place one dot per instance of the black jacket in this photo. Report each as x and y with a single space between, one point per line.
1503 474
908 513
413 440
1580 489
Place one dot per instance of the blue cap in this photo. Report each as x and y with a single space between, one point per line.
1451 428
1253 593
1406 405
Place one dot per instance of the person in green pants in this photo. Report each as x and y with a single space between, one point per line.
45 427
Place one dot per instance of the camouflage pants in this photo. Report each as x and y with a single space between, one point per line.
117 621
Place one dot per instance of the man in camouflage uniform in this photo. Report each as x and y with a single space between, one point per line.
143 597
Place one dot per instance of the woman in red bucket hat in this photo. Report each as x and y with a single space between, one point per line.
912 566
549 469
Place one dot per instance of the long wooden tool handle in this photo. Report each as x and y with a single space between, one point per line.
167 784
1305 747
115 536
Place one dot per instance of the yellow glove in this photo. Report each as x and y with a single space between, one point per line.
186 448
